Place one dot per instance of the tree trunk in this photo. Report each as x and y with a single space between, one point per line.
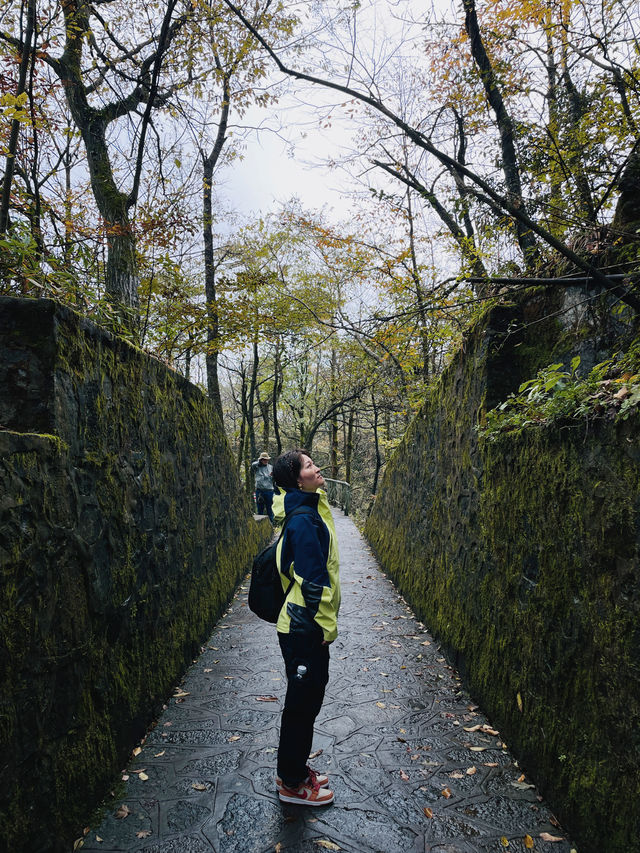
505 126
15 124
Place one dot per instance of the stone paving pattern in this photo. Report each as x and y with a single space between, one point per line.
393 734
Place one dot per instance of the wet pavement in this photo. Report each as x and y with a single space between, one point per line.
415 765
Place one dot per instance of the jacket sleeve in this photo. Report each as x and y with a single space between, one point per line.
310 566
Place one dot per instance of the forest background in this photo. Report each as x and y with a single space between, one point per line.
479 148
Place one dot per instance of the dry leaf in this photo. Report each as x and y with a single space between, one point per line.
266 698
404 776
137 751
316 753
427 811
426 643
471 771
456 775
490 763
504 841
521 778
179 694
446 792
198 786
98 839
123 811
234 737
278 847
159 754
209 670
143 833
142 776
328 845
381 705
519 702
78 843
545 836
481 728
528 842
477 748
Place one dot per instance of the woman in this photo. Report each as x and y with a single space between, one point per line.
307 559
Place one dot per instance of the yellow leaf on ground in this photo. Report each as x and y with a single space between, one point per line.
381 705
519 702
198 786
528 842
446 792
328 845
137 751
504 841
143 776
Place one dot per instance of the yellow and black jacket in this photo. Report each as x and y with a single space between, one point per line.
308 554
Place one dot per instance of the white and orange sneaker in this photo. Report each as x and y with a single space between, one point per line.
307 793
320 779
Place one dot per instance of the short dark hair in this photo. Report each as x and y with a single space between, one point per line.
287 467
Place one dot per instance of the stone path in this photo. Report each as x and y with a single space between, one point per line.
415 765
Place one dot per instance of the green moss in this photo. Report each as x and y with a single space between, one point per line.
521 556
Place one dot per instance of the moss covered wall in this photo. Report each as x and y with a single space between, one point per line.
522 557
123 532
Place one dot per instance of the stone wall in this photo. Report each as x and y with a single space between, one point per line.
522 557
123 532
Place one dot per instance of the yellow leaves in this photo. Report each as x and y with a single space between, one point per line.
198 786
528 842
123 812
446 793
327 845
519 702
428 812
504 841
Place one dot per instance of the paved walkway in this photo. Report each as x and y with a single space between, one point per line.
415 765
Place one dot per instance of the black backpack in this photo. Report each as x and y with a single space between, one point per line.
266 595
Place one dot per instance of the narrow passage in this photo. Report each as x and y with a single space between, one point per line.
415 766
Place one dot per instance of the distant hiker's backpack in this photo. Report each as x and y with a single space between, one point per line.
266 595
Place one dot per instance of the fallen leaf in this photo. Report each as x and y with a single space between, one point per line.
446 792
528 842
519 702
137 751
266 698
426 643
78 843
123 811
481 728
504 841
404 776
545 836
209 670
381 705
125 777
143 776
471 771
143 833
427 811
328 845
477 748
316 753
522 786
179 694
521 778
198 786
159 754
98 839
234 737
490 763
456 775
278 847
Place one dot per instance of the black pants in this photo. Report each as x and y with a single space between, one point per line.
302 703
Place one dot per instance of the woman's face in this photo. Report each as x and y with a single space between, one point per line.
309 478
